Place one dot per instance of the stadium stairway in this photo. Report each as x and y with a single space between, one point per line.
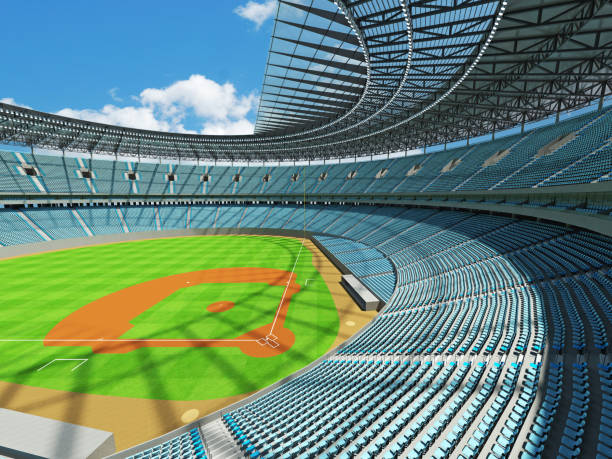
219 442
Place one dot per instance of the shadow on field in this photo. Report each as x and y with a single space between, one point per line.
89 380
73 411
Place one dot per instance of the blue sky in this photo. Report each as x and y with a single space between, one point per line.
187 65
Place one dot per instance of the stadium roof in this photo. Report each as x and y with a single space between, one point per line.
359 77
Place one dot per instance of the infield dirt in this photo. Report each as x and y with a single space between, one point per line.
100 323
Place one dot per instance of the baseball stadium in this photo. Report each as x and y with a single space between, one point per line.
409 256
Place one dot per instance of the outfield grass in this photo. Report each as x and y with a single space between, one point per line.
40 290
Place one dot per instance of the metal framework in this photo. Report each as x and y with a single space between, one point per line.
349 78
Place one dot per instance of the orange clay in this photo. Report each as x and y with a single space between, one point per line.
100 323
220 306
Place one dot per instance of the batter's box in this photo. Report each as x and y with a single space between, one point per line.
273 344
65 360
271 336
262 341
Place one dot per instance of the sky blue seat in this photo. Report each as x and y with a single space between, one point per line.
603 450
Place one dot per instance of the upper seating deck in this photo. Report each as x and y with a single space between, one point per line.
574 151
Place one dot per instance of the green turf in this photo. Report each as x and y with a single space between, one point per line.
40 290
254 306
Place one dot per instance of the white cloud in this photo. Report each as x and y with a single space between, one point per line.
11 101
207 98
136 117
113 94
217 107
257 12
226 127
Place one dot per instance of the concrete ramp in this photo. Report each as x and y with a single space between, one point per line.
555 145
219 441
497 157
451 165
381 173
413 170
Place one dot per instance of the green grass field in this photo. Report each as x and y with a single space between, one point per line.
38 291
186 309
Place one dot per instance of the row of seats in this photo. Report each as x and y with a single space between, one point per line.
604 439
502 281
575 422
188 445
533 159
367 263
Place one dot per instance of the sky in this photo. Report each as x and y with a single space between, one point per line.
184 66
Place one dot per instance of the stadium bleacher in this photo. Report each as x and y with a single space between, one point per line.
187 445
526 163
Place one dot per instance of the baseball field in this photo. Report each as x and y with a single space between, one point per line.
190 318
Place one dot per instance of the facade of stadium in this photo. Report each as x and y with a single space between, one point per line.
455 156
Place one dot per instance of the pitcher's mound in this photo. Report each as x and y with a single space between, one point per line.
220 306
